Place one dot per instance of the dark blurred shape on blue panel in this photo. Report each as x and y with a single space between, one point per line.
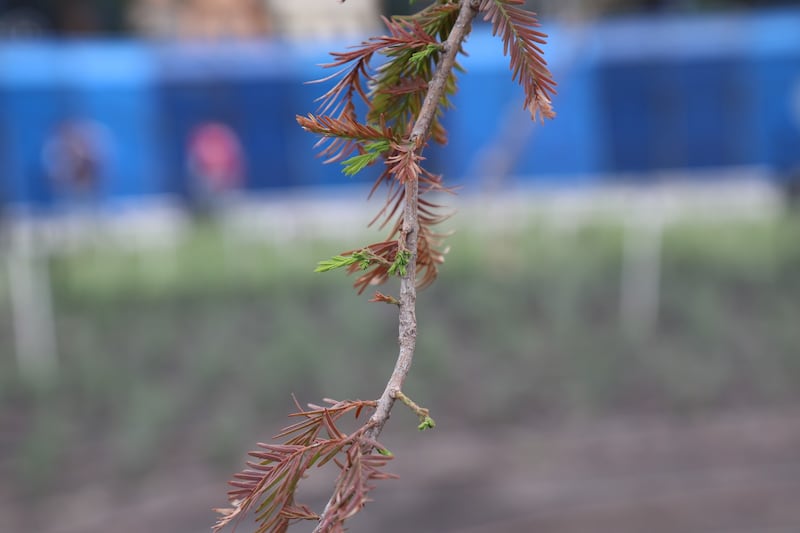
244 86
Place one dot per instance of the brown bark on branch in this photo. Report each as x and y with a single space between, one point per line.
407 335
408 291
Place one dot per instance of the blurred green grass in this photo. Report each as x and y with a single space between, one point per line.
200 347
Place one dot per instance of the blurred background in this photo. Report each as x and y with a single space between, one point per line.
613 343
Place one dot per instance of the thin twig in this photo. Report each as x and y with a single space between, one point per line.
408 290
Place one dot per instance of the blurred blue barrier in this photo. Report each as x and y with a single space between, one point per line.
676 93
30 95
52 95
774 64
106 121
114 87
244 87
492 135
304 91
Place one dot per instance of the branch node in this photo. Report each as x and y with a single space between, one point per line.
425 420
385 298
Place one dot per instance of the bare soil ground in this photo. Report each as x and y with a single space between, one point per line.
728 473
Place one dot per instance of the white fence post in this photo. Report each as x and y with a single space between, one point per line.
32 307
641 272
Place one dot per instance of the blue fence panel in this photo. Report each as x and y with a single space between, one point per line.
30 106
634 95
307 167
719 113
774 64
59 100
484 95
565 150
243 87
113 86
682 99
646 124
492 136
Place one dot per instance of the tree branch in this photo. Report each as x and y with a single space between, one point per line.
408 290
407 335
